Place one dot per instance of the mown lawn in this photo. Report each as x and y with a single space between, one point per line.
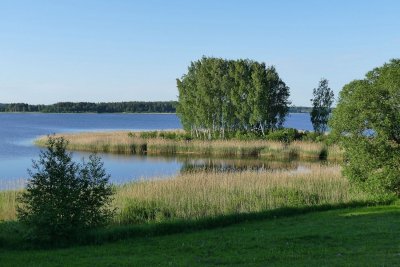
347 237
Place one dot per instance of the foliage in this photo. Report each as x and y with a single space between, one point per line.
218 97
284 135
64 198
148 134
322 102
366 123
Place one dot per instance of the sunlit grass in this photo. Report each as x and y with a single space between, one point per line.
124 142
198 195
207 194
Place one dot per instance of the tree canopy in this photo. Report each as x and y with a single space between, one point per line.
366 122
218 97
321 106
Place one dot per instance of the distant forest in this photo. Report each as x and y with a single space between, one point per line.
89 107
111 107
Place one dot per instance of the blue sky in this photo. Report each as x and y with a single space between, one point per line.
118 50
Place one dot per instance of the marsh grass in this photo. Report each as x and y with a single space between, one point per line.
8 204
202 195
124 142
208 194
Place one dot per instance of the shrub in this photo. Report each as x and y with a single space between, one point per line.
284 135
63 198
168 135
366 124
147 135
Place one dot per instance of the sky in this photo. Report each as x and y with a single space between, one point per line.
108 51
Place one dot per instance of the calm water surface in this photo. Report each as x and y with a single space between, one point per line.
18 130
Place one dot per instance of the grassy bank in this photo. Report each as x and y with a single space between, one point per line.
199 195
124 142
346 237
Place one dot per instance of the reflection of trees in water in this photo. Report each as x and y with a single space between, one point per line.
235 165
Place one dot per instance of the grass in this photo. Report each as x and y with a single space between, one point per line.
346 237
198 195
245 218
124 142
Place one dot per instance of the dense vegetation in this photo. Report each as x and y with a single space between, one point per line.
280 144
219 97
366 122
82 107
62 199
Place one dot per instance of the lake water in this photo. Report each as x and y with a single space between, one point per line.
18 130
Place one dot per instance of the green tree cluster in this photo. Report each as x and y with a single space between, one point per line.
63 198
367 124
321 106
219 97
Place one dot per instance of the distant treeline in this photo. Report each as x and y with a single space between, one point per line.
112 107
300 109
82 107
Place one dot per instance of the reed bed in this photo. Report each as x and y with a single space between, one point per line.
204 194
200 195
8 204
124 142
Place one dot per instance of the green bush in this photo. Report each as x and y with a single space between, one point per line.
169 135
63 198
286 135
242 135
313 137
147 135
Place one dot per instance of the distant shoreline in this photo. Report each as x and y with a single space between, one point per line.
35 112
158 113
129 107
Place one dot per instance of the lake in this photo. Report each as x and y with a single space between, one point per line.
18 130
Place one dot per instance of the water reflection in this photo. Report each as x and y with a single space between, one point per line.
127 168
237 165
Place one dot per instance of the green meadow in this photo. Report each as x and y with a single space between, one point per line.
358 236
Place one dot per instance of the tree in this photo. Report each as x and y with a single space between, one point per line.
321 106
219 97
366 124
64 198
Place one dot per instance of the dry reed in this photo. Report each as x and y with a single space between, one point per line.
125 142
199 195
202 194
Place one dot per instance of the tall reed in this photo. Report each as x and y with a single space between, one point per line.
199 195
8 205
124 142
204 194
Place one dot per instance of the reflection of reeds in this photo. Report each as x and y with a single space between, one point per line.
124 142
237 164
203 194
